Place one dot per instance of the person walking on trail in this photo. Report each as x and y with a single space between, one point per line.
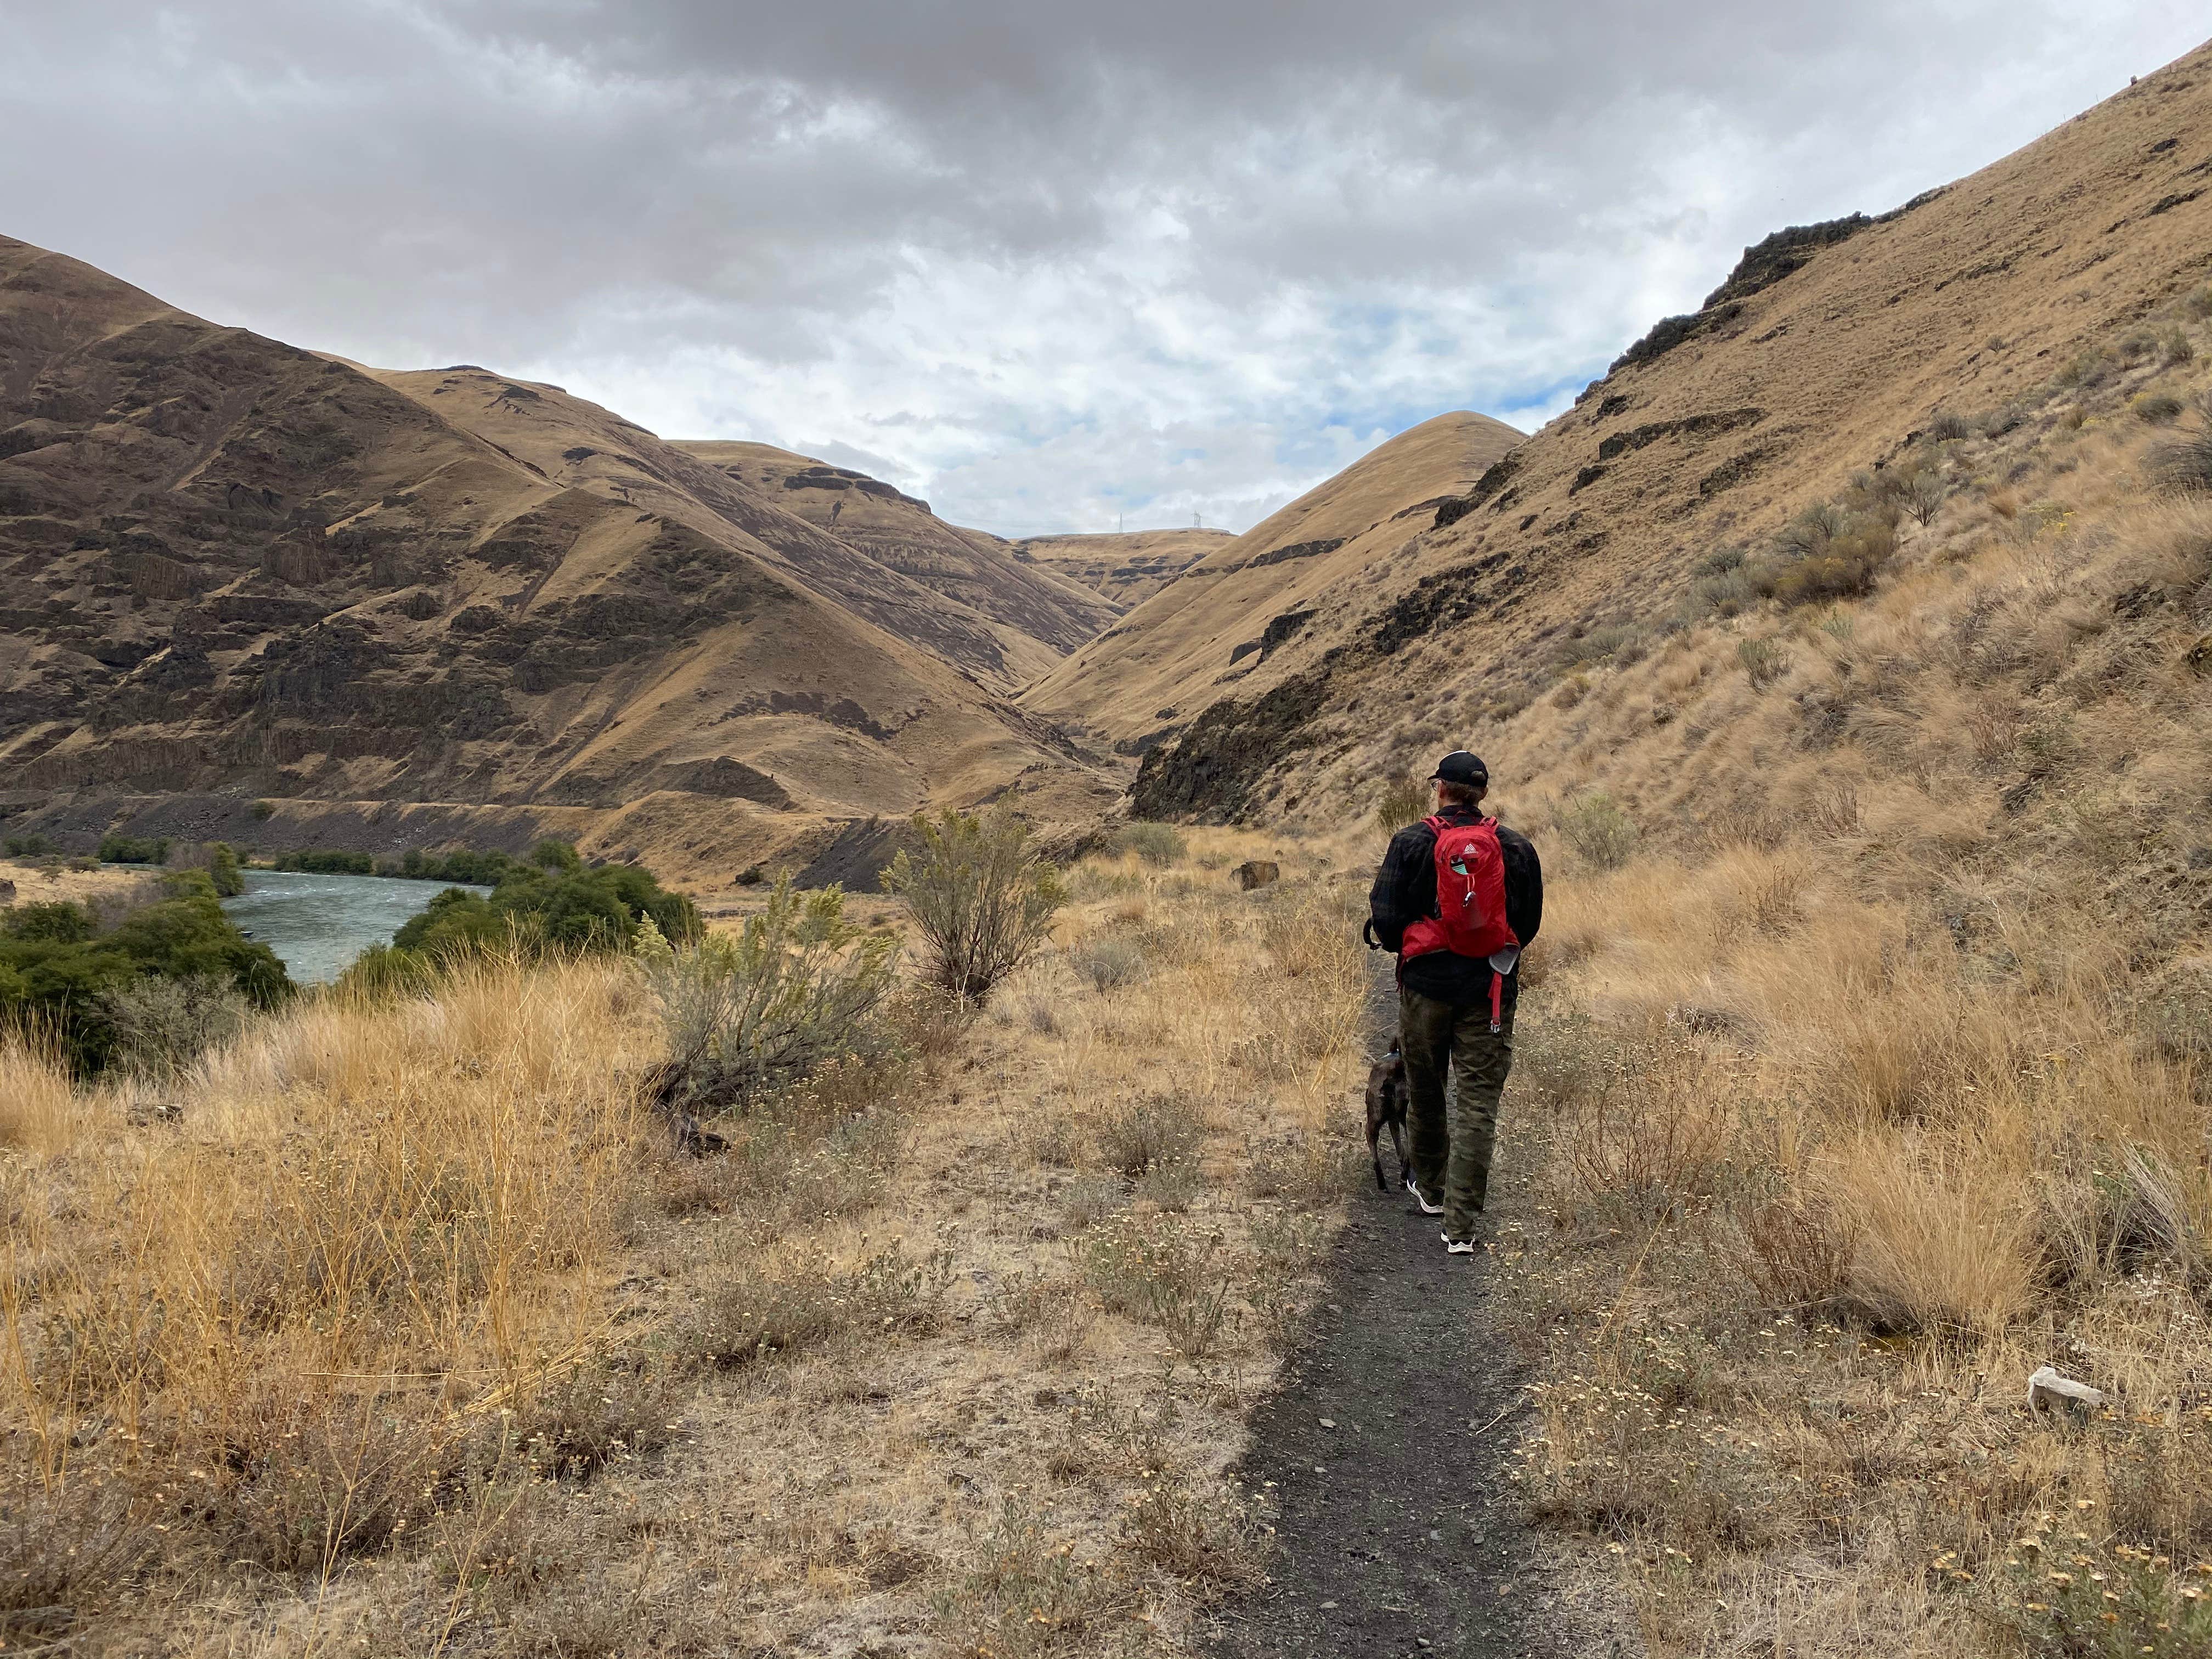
1458 898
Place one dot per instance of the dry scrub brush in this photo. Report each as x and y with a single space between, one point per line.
281 1332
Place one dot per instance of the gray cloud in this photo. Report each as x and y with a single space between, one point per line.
1048 262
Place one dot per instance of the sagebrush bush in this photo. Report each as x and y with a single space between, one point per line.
1624 643
748 1014
1026 1595
753 1312
1727 594
1599 831
1826 554
1920 492
1160 844
979 898
1402 799
1136 1136
1108 964
1764 661
162 1025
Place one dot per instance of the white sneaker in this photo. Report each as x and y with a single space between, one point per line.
1458 1246
1427 1208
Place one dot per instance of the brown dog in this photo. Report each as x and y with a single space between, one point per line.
1386 1105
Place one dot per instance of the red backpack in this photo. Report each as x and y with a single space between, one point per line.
1470 919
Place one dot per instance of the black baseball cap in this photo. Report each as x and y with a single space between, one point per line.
1462 766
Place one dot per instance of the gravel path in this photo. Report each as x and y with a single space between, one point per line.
1397 1530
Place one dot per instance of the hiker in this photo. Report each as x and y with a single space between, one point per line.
1458 897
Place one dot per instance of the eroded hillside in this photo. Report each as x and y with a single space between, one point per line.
1127 567
240 570
1040 615
1229 616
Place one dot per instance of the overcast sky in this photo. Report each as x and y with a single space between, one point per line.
1044 263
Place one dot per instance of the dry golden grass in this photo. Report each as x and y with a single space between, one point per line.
412 1334
113 888
1878 1076
38 1108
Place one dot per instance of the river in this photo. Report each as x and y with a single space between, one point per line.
317 925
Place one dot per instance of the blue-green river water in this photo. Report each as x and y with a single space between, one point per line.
317 925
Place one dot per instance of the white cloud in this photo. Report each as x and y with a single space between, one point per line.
1043 263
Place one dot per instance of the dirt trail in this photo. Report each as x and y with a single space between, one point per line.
1398 1531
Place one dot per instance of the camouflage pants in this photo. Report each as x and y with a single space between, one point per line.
1453 1160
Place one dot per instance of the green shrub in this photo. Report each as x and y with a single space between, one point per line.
535 910
981 903
28 847
1404 800
1599 831
2158 408
263 810
128 849
558 856
58 923
326 861
747 1015
382 971
60 973
1161 844
461 864
223 872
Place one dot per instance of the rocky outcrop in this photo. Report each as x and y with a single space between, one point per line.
1764 264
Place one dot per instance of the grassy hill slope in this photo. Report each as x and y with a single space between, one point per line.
1224 621
1847 652
1821 357
237 570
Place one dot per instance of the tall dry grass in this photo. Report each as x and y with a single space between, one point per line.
38 1108
1876 1077
407 1333
281 1330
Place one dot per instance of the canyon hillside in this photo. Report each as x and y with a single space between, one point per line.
407 608
1825 354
